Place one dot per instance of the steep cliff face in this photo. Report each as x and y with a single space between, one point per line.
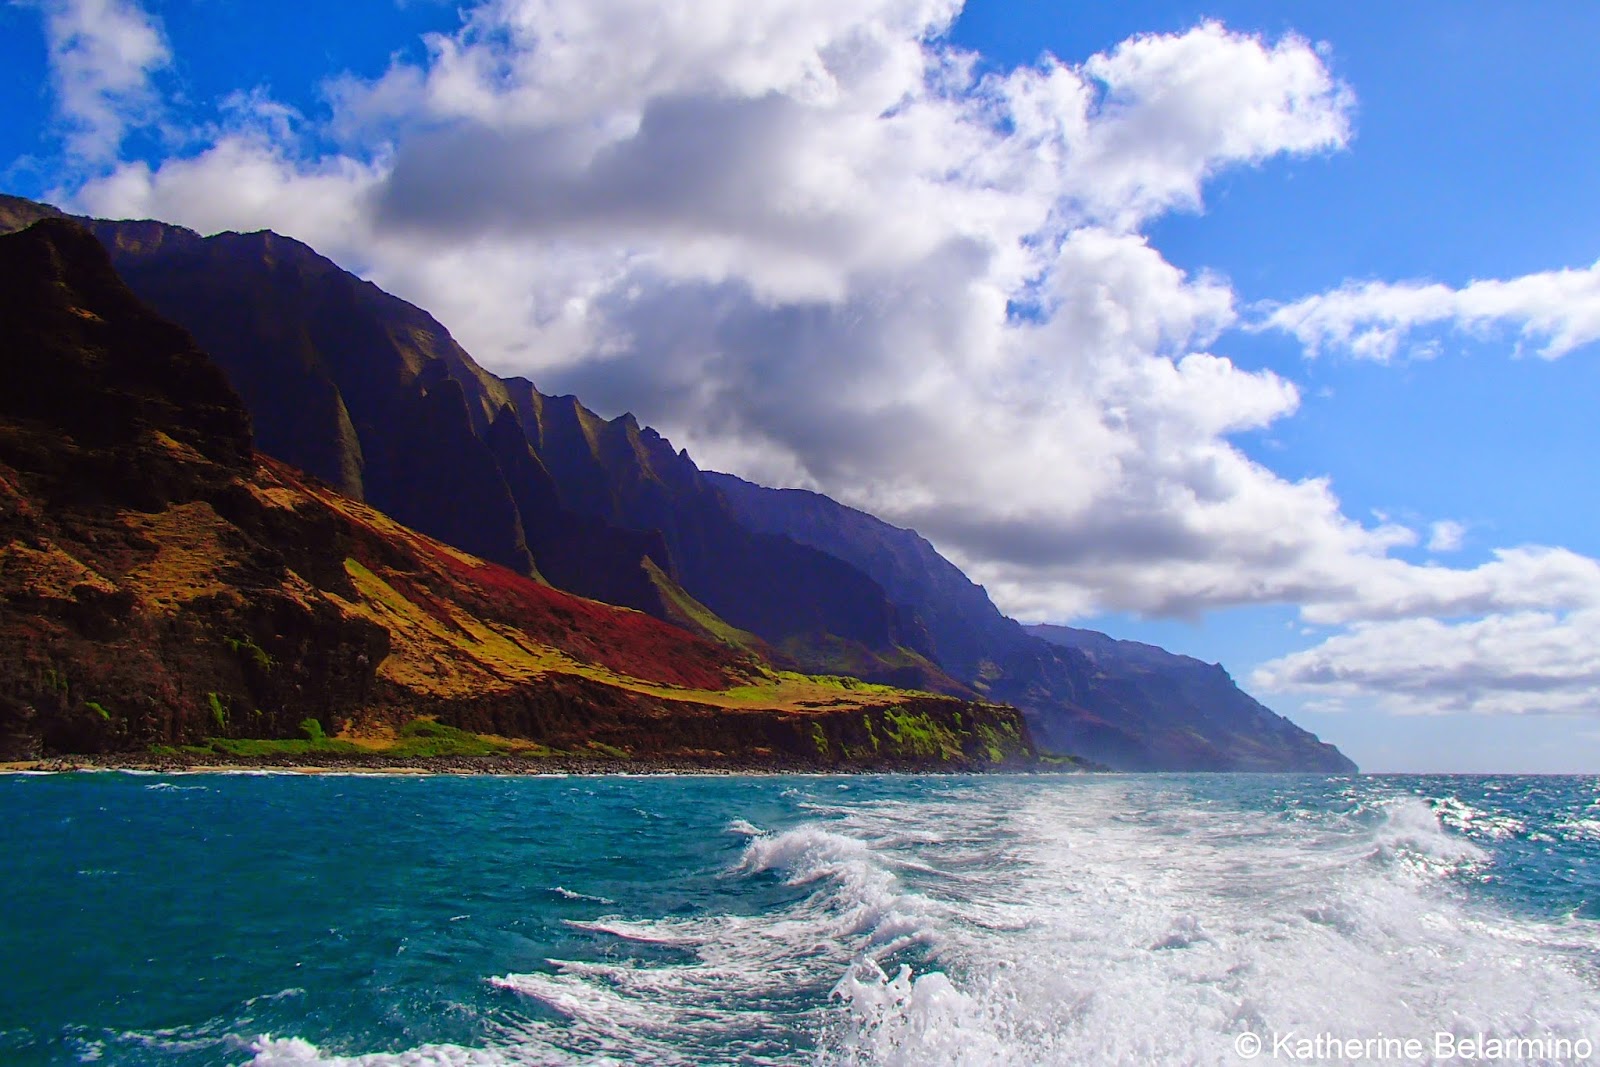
964 627
1195 715
820 610
121 446
343 381
160 583
374 397
1129 705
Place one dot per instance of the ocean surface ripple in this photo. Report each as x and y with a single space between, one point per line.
1118 919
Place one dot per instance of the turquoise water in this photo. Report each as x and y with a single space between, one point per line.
279 919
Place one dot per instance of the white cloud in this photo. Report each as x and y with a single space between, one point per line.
543 62
1178 108
1514 579
1505 664
1519 634
102 53
808 243
1555 311
1446 535
246 182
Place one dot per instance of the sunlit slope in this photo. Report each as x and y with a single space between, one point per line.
374 396
161 584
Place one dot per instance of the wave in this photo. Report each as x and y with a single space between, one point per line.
1163 938
736 984
1475 821
1581 828
1412 837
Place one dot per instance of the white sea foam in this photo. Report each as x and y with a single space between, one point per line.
731 979
572 894
1147 946
1412 838
294 1052
1460 815
1584 828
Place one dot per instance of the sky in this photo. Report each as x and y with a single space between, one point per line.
1263 332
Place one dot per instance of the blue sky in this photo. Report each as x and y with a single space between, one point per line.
1474 156
1444 143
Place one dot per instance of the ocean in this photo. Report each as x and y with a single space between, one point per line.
274 919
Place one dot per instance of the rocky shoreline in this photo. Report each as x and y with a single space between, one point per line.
328 763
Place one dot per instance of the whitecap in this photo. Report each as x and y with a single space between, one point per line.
295 1052
571 894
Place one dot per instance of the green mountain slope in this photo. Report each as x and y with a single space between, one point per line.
374 397
161 583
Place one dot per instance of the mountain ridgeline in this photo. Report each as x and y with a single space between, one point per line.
1126 704
373 397
162 585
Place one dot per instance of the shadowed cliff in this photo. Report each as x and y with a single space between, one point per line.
162 584
373 396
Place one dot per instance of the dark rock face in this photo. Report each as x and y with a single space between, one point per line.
63 307
374 397
964 627
120 446
1196 716
160 583
344 382
630 477
1129 705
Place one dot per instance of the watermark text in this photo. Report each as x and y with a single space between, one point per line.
1291 1046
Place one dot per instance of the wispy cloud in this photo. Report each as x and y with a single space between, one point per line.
102 54
1553 312
1446 535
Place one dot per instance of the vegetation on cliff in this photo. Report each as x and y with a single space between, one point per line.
161 584
376 400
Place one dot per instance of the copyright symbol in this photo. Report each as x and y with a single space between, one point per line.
1247 1045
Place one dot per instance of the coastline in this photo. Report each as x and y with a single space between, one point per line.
500 765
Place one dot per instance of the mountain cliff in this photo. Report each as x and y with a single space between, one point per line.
163 584
1129 705
373 396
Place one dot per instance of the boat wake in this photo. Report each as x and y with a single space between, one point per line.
1119 922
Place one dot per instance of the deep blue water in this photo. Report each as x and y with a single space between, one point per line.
234 919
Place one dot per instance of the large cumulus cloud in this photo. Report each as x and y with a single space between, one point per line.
820 246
